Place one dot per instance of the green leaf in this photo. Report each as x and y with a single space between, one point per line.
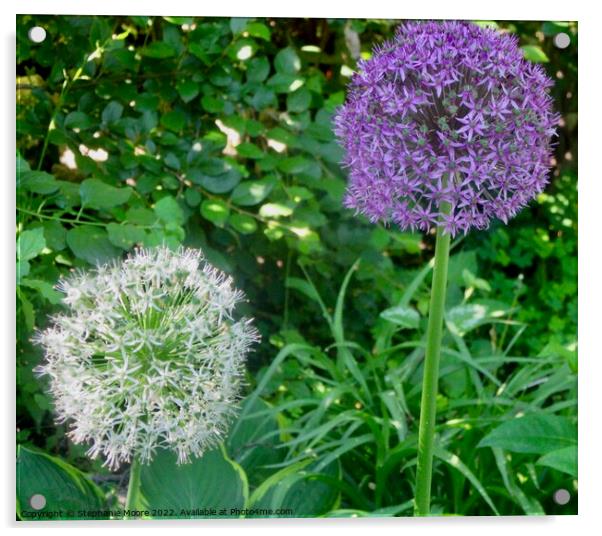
529 504
174 120
249 150
172 161
78 120
466 317
304 287
243 224
212 481
30 244
258 69
91 244
179 21
124 236
169 211
287 61
38 182
216 180
564 460
99 195
298 101
254 440
213 105
285 83
243 50
249 193
403 316
299 489
23 268
140 216
216 211
112 112
55 234
188 90
213 167
534 434
22 165
472 281
158 50
459 465
66 489
294 164
259 30
535 54
27 309
238 24
275 210
45 289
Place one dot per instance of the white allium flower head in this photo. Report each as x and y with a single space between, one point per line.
148 355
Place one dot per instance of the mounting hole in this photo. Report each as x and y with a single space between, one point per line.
562 497
37 501
562 40
37 34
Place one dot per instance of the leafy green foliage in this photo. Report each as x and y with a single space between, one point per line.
537 434
216 133
66 490
212 482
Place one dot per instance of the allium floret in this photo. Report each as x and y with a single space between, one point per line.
147 355
447 124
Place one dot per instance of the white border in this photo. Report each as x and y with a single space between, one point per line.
590 244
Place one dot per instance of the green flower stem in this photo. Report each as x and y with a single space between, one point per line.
430 379
131 502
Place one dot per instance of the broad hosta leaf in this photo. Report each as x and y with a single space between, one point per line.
535 434
102 196
67 490
91 244
564 460
403 316
254 439
210 482
30 244
298 490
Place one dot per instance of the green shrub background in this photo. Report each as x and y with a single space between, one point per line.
216 134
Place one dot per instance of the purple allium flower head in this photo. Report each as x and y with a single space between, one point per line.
446 124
